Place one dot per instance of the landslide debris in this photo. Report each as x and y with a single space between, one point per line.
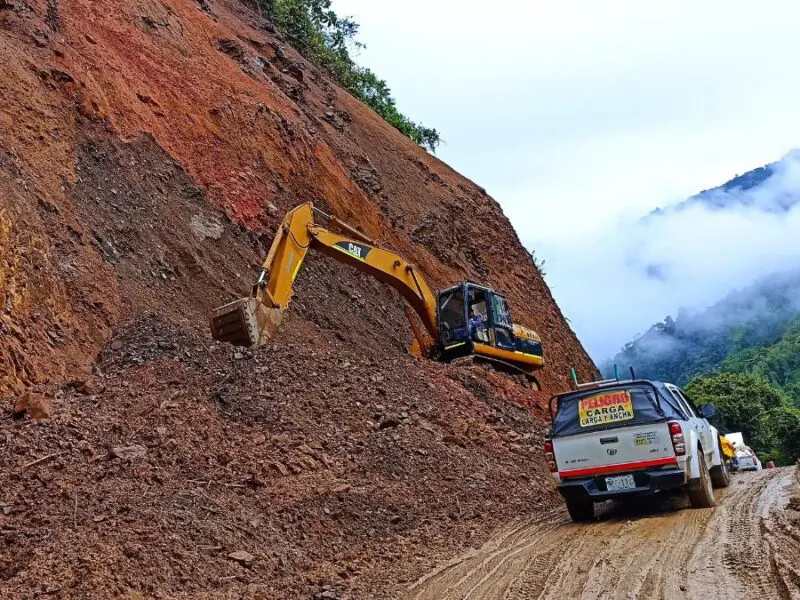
244 136
182 467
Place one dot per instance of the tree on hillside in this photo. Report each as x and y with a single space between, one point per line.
785 426
325 39
760 411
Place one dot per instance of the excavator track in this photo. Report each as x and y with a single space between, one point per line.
500 365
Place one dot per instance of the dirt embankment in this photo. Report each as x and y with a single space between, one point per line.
327 466
148 149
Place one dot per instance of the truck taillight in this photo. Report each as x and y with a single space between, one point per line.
678 441
550 456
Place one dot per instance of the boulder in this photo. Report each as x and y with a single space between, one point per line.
35 405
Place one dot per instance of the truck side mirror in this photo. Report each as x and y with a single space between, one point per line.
707 411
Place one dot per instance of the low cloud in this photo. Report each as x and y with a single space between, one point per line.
616 284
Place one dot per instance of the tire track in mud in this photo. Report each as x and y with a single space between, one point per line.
734 546
656 548
782 533
493 564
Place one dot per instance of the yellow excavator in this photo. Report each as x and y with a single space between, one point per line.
465 320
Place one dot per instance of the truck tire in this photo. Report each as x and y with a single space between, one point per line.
721 475
701 492
580 509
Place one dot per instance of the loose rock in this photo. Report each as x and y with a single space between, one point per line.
129 452
388 422
242 557
35 405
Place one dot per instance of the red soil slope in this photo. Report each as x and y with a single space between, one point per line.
147 151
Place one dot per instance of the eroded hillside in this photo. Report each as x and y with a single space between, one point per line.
147 152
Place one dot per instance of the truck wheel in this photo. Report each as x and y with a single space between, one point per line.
721 475
580 509
701 493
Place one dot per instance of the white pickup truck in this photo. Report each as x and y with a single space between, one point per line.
616 439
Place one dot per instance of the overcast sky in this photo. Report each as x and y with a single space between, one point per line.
581 116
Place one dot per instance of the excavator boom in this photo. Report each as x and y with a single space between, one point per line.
464 321
252 321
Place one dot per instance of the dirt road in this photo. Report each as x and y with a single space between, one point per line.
742 549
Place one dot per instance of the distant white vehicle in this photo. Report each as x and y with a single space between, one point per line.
737 439
746 458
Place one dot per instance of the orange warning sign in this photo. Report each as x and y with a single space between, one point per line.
605 408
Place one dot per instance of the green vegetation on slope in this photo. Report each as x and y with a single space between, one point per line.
759 410
777 363
319 34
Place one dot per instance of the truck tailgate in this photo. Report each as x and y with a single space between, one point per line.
614 450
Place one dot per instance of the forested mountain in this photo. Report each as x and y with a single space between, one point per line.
742 353
755 330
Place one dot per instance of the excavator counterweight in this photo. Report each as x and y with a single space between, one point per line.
465 320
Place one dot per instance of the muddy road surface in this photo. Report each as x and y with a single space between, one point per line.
658 548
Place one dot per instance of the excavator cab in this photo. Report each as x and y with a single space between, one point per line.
475 320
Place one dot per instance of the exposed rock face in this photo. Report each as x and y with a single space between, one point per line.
148 150
218 128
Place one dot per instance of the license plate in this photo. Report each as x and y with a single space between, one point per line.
624 482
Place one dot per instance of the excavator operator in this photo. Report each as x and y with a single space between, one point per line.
477 327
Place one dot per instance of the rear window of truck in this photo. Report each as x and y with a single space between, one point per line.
598 409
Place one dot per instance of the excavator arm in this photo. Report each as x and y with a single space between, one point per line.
252 321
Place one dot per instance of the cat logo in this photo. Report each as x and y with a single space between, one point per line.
360 251
354 250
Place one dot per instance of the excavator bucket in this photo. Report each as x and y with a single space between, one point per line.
244 322
236 322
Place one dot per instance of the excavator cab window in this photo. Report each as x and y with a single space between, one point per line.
452 324
501 322
501 317
478 313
